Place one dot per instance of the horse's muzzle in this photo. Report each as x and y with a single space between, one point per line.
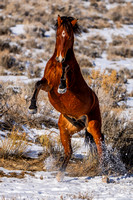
60 59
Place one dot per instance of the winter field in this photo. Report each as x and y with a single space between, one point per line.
30 149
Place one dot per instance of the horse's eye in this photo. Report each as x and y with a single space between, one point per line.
63 33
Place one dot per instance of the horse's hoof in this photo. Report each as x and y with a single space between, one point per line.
105 179
60 176
32 111
62 91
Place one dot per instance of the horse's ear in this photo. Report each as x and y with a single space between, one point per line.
59 21
73 22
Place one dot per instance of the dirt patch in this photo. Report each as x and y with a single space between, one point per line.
84 167
76 167
23 164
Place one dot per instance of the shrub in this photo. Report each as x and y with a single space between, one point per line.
118 135
14 108
110 85
122 14
15 145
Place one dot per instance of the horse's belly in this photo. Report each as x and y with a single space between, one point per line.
69 104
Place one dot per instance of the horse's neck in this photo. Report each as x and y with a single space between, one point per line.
71 59
73 72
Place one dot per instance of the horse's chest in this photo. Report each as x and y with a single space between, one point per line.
67 103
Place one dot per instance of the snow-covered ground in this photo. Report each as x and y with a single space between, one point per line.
43 185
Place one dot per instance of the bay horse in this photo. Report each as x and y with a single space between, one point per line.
69 93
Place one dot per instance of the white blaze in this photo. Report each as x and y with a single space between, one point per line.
60 57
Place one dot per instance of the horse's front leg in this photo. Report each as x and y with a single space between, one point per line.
62 86
42 84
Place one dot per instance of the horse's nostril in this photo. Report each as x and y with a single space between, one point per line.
63 60
57 58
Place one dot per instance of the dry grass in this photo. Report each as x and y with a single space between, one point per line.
14 108
16 113
15 145
110 85
23 163
7 61
92 47
118 135
11 47
122 14
110 89
121 47
4 198
87 166
52 145
78 196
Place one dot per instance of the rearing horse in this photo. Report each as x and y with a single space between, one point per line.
69 93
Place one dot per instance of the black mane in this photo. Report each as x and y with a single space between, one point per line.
66 21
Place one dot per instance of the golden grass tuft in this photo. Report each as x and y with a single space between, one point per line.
51 145
108 84
15 145
86 166
109 81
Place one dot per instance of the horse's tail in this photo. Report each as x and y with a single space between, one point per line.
89 138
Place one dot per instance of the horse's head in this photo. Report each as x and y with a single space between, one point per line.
64 36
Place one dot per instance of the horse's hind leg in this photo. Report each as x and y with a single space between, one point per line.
66 131
66 142
94 127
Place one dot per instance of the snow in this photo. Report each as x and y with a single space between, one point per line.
18 29
130 85
130 101
17 79
43 185
33 150
49 33
107 33
114 4
3 134
86 4
103 63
